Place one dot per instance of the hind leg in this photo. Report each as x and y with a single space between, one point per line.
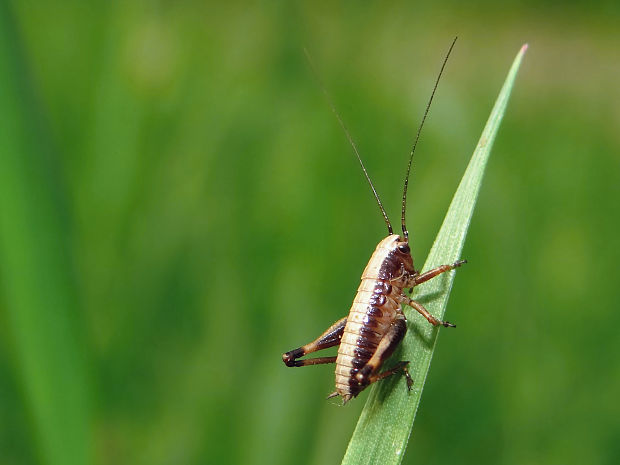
330 338
368 373
400 366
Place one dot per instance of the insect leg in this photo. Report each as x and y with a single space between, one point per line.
430 274
331 337
389 342
425 313
310 361
400 366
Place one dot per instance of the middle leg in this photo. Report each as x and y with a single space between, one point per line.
426 314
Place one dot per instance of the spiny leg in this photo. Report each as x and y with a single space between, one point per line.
331 337
430 274
426 314
389 342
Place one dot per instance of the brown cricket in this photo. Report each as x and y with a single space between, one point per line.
376 324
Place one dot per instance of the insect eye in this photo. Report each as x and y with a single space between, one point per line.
404 248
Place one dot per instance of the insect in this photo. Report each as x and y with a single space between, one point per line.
376 324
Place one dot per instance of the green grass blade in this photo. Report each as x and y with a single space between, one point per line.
37 289
383 430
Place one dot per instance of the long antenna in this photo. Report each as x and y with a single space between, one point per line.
417 137
346 131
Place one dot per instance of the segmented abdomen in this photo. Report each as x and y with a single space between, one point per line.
371 314
374 309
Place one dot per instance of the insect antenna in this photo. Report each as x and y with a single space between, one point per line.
346 131
417 137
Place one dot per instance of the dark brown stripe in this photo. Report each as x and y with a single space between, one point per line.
370 322
390 268
369 333
382 287
367 343
377 300
375 311
363 353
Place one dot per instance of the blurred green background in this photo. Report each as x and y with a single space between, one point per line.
178 207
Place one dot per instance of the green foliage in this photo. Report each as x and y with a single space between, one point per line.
37 276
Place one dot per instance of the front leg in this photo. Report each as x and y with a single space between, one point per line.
430 274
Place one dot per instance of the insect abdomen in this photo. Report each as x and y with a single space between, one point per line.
374 309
